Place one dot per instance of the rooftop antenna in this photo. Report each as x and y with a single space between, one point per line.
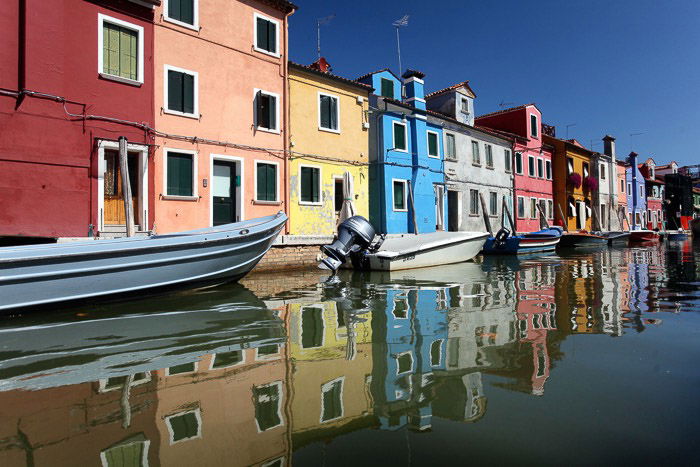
319 22
503 105
567 129
637 133
399 23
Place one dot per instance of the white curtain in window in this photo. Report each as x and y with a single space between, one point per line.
348 209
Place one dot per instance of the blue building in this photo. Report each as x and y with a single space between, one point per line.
406 173
636 194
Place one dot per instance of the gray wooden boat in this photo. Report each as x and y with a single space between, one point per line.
41 274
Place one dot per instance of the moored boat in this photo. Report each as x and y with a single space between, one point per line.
41 274
531 242
615 237
581 239
637 236
676 235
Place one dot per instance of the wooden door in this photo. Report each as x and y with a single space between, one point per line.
224 193
113 194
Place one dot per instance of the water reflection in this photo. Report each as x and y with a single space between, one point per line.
260 374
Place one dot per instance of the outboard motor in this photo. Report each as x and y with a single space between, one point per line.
354 234
502 235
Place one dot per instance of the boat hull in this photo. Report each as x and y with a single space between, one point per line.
676 237
643 236
534 242
40 275
448 250
582 240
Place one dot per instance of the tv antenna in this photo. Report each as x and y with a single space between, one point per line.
567 129
636 133
400 23
503 105
319 22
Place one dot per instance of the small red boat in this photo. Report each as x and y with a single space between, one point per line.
644 236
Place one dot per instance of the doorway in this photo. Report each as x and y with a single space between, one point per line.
225 180
114 212
338 194
439 207
452 210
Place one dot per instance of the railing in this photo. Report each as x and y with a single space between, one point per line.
549 130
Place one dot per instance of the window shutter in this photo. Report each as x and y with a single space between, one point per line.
432 144
271 182
325 112
271 37
262 182
399 136
188 93
174 90
180 174
333 113
315 185
305 184
186 11
272 112
261 39
174 9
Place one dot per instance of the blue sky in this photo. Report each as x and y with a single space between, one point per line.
616 67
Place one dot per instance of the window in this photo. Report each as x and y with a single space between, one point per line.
474 202
622 186
267 400
550 209
310 182
311 327
117 382
493 203
519 163
400 143
540 168
328 113
266 111
586 172
433 147
399 195
603 174
400 308
227 359
629 188
548 169
569 166
190 367
332 400
436 352
476 157
387 88
265 181
131 451
450 149
464 105
641 191
182 12
489 155
533 208
521 207
184 426
120 50
180 173
543 207
266 35
266 350
404 363
181 92
534 131
531 166
507 159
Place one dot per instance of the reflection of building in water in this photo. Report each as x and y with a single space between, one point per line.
331 362
81 424
579 297
610 288
461 399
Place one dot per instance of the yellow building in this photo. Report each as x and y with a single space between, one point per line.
574 183
328 133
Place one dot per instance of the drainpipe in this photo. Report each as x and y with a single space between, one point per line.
287 119
21 51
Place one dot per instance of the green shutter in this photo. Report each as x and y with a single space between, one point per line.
267 400
399 136
271 182
432 144
175 90
267 183
119 51
271 37
305 184
387 88
180 174
315 173
184 426
174 9
399 195
272 106
262 37
187 93
186 11
311 327
332 404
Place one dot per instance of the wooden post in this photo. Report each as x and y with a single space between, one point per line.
564 220
413 209
596 218
485 213
543 216
126 187
510 218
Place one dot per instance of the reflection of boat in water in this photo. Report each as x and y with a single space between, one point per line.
615 237
131 337
581 239
427 278
40 274
676 235
637 236
532 242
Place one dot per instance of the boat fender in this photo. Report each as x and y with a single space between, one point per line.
501 237
244 232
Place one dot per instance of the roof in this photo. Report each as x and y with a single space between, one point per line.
504 111
150 2
452 88
498 134
314 71
282 5
375 72
413 73
576 143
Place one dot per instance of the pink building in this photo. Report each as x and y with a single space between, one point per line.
622 190
532 163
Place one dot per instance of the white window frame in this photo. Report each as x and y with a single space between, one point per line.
400 298
476 161
277 181
195 7
534 166
522 163
550 209
195 175
196 367
539 161
508 154
257 15
280 392
548 163
437 142
431 354
278 102
478 203
488 149
493 214
101 19
533 212
320 186
393 137
325 387
452 157
195 112
536 128
318 106
603 173
405 195
323 324
213 359
103 382
398 369
517 214
274 356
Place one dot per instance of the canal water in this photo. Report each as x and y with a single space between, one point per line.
581 357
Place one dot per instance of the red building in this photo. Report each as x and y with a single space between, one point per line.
533 163
75 75
655 194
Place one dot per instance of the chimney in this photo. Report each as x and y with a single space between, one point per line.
609 146
321 65
632 160
413 83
